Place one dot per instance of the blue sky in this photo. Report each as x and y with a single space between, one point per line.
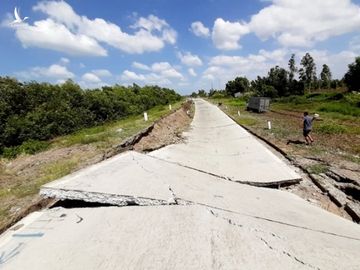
184 45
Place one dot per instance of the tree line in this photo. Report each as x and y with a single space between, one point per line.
41 111
281 82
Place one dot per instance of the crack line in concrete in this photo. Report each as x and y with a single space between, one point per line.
173 199
231 222
125 200
279 222
250 183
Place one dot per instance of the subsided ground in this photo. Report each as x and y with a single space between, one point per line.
331 165
21 178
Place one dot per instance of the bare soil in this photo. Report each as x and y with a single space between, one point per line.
166 131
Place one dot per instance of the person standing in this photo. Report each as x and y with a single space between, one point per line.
307 127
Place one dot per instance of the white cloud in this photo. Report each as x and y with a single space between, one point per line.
161 73
128 75
53 72
140 66
101 72
199 29
226 35
302 23
223 68
91 78
66 31
48 34
354 44
150 23
64 61
192 72
166 70
189 59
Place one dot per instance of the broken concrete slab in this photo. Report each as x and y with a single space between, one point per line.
325 184
134 178
217 145
127 179
168 237
354 210
344 175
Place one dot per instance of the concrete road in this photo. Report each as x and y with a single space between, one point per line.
216 144
174 214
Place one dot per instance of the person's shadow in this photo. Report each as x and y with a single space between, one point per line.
295 142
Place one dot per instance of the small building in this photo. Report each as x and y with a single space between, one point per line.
258 104
238 94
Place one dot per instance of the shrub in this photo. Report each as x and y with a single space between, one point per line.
331 128
342 108
33 146
29 147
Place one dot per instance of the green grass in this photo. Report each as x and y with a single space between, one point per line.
50 172
331 128
337 105
317 168
118 130
246 121
29 147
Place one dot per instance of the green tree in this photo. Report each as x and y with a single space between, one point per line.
202 93
278 78
240 84
308 71
325 76
292 68
352 76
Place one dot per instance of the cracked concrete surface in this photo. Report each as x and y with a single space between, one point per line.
216 144
178 217
169 237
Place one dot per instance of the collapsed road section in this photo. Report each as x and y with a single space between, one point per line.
182 214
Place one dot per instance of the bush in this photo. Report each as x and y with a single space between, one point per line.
33 111
352 77
33 146
29 147
10 152
342 108
331 128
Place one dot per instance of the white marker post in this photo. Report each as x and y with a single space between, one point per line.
238 113
170 107
145 116
269 125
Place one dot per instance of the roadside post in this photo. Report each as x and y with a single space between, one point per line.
145 116
269 124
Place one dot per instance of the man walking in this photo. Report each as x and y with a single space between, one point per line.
307 127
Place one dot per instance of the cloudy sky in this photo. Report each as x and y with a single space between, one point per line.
184 45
